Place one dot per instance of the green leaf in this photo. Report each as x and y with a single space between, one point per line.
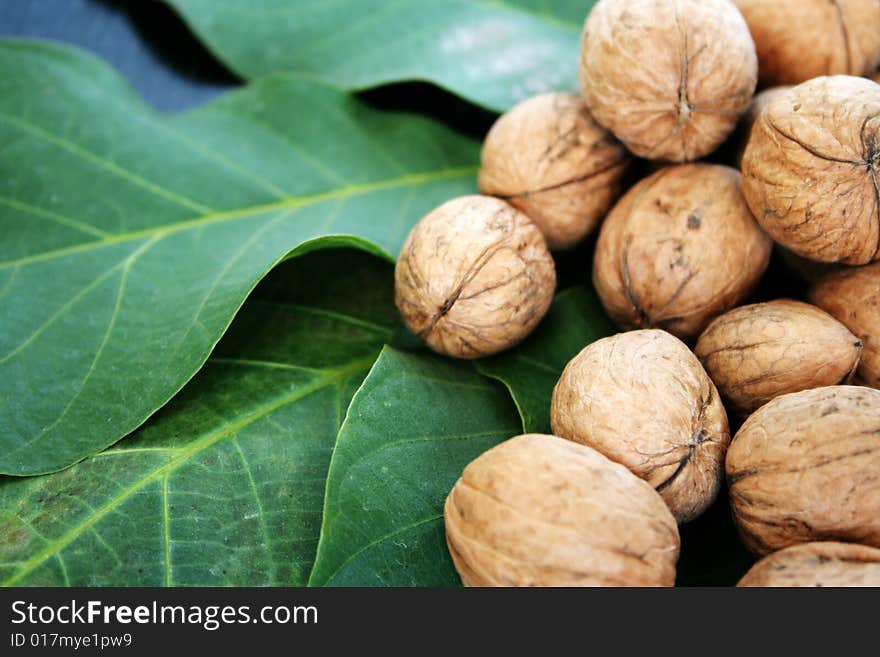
225 485
130 239
492 52
530 371
414 424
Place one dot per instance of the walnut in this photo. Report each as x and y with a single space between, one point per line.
474 277
550 159
679 249
670 78
643 399
541 511
759 352
817 564
853 297
802 39
810 169
804 468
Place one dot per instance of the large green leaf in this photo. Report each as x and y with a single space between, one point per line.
414 424
530 371
493 52
131 239
225 485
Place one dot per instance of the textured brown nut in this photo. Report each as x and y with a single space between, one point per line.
759 352
670 78
550 159
853 297
802 39
541 511
817 564
679 249
643 399
804 468
810 169
474 277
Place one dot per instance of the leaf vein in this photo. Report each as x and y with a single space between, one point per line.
53 216
382 539
166 530
106 338
197 446
246 212
261 514
107 165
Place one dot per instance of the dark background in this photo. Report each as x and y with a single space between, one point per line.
151 46
143 39
490 621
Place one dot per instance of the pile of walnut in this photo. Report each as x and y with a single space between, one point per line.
642 440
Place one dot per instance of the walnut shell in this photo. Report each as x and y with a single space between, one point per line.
679 249
541 511
804 468
817 564
550 159
798 40
474 277
810 169
759 352
643 400
853 297
670 78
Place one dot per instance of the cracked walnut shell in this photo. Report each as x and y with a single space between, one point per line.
643 399
853 297
758 352
823 563
541 511
550 159
810 169
798 40
669 78
679 249
804 468
474 277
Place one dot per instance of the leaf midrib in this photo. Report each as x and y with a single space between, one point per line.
288 203
183 456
